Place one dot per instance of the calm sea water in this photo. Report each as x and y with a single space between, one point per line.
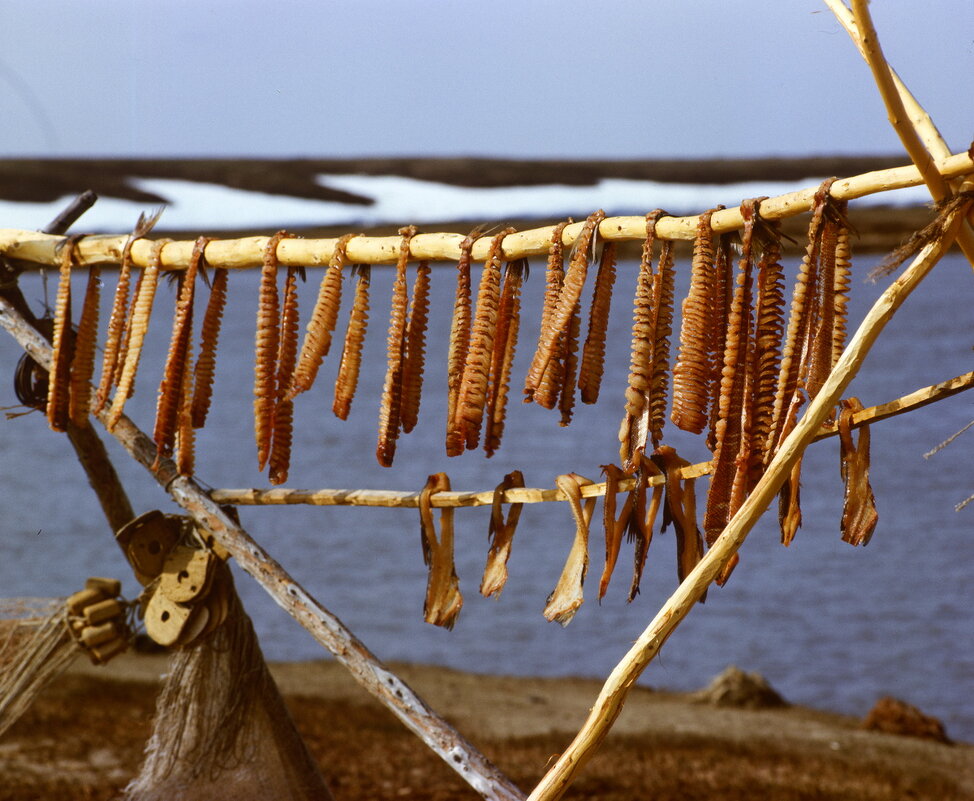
829 625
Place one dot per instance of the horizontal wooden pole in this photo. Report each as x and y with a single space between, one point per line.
40 249
283 496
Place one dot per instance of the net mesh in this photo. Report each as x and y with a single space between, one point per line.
221 729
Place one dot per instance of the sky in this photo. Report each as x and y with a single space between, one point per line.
532 78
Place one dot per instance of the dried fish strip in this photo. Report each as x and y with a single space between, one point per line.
177 358
693 371
459 342
138 327
321 324
185 430
843 281
566 598
593 351
768 332
859 515
614 527
205 371
83 362
566 398
549 388
663 328
390 408
348 369
642 520
266 350
568 298
505 345
501 534
818 364
117 318
681 509
472 396
59 381
443 598
414 359
280 457
635 424
723 294
795 335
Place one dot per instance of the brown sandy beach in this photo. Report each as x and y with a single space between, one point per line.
83 739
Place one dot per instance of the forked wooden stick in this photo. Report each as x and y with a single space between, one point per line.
916 130
284 496
39 249
624 676
327 629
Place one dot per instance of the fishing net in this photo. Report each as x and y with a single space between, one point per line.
35 646
221 729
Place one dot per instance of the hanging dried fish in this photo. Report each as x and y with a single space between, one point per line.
680 508
549 388
614 527
266 350
280 457
566 598
59 381
177 359
694 368
443 598
663 327
566 398
137 329
185 431
821 333
723 294
859 515
83 362
593 352
635 424
501 534
414 359
505 344
348 368
568 298
459 342
796 333
642 519
843 281
732 405
118 317
476 372
321 325
390 408
768 332
205 371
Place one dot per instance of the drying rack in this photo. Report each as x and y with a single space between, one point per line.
948 175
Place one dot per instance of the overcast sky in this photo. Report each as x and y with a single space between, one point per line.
613 79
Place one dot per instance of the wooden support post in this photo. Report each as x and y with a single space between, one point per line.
624 676
327 629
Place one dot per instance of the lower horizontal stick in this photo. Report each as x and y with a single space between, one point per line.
404 499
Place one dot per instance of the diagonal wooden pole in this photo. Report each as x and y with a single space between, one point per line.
616 688
326 628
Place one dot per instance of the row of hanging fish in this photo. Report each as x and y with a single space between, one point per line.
741 373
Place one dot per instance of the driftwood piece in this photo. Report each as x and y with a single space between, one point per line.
327 629
613 695
39 249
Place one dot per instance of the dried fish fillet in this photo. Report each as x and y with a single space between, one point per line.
859 515
443 598
566 598
501 534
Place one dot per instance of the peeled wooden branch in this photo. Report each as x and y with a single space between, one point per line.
39 249
284 496
327 629
624 676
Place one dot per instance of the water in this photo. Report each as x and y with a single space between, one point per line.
829 625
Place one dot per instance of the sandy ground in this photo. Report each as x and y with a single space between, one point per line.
83 739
